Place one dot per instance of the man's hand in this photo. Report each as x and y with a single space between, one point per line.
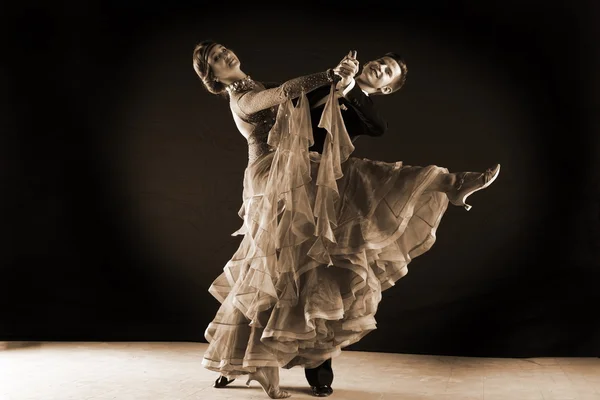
347 69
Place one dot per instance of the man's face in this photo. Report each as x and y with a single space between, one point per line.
380 74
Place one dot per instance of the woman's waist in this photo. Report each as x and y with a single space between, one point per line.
257 151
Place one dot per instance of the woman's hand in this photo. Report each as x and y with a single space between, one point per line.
347 69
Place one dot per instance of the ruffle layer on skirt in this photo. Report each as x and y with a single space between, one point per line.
323 236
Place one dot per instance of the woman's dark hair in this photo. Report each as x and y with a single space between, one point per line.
397 85
203 69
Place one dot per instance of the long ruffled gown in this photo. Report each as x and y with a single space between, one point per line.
323 236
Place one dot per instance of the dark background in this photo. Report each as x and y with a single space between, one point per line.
121 177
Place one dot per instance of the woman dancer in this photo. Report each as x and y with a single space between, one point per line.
323 235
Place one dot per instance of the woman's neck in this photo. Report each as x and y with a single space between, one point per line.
234 77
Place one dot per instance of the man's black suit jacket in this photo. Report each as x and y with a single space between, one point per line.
359 114
360 117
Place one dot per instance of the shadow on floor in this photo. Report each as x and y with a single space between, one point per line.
18 345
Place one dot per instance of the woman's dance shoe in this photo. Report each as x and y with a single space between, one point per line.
470 182
222 381
273 391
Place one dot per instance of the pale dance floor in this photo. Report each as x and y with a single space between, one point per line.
172 371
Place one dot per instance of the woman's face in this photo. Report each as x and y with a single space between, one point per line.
222 61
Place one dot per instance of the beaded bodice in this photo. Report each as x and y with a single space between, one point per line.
263 121
257 105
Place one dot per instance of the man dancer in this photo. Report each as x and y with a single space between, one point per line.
382 76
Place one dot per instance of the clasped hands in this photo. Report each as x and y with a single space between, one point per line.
347 69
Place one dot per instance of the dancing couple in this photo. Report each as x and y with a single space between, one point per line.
323 233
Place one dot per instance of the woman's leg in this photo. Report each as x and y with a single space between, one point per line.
443 183
268 377
459 186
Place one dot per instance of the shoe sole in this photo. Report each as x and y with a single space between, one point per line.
488 183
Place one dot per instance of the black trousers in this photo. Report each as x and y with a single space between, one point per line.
321 375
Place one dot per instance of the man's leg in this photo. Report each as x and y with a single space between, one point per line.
320 379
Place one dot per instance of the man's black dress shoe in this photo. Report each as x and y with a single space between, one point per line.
321 391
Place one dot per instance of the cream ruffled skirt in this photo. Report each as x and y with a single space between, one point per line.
323 236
